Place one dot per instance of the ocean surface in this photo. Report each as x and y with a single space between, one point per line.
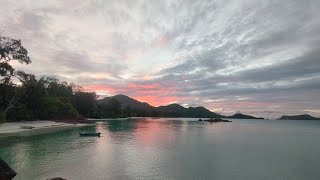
153 148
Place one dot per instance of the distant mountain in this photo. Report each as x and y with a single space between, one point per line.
176 110
242 116
137 108
132 107
299 117
127 107
201 112
127 101
171 110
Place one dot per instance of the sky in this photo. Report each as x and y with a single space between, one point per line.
260 57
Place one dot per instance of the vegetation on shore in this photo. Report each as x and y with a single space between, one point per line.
26 97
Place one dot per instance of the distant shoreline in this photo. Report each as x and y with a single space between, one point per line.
11 129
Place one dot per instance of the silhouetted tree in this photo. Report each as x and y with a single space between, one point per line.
38 98
85 103
11 49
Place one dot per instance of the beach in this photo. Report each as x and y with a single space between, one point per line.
39 127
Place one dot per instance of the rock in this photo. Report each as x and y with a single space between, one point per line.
6 173
200 120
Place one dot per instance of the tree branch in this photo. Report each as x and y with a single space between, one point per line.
12 103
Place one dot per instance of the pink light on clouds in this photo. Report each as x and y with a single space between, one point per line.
157 100
155 94
99 88
144 87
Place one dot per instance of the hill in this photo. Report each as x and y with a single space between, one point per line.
127 106
242 116
126 101
299 117
176 110
137 108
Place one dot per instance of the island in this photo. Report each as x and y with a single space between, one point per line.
299 117
243 116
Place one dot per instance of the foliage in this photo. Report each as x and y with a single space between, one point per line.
2 117
48 98
55 108
45 97
22 113
85 103
11 49
111 109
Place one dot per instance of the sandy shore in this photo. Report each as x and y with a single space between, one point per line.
39 127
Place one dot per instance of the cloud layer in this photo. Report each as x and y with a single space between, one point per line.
253 56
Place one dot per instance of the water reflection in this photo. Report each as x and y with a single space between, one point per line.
143 131
120 125
169 149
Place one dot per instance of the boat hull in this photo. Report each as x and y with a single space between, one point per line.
90 134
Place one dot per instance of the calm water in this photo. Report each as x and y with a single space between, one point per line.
171 149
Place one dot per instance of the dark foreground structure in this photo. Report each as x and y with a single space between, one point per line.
6 173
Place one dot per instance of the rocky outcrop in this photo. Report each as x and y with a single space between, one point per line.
6 173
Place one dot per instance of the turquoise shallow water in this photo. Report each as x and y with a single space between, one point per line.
171 149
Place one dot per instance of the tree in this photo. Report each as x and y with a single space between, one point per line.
43 98
10 95
113 109
35 93
85 103
59 89
54 108
11 49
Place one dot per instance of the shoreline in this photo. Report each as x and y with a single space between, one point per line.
13 129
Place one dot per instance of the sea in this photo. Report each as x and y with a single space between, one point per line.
170 149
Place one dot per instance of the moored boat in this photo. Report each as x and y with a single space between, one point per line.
90 134
216 120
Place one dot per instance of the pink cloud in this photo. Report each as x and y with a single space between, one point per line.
155 94
157 100
97 88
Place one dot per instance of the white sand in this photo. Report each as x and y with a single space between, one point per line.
40 127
